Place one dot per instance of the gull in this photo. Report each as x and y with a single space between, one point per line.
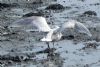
34 23
58 32
39 24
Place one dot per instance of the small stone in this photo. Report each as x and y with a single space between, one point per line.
33 14
90 13
55 7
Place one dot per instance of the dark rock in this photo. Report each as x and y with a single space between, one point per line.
87 65
68 7
3 5
97 4
15 4
47 50
33 14
68 37
82 0
17 57
55 7
64 1
38 2
90 13
55 0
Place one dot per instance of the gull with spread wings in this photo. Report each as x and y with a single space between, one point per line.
39 23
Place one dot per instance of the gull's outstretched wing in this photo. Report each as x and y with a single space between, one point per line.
34 22
79 27
76 26
41 24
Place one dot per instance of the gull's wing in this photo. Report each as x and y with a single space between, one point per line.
41 24
79 27
76 26
34 22
66 28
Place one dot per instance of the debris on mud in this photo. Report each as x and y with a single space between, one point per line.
55 7
89 13
33 14
17 57
91 44
52 61
68 37
47 50
4 5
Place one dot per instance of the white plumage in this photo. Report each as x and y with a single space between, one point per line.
36 23
76 26
52 35
39 23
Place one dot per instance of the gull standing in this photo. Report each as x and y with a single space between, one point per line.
58 32
34 23
39 24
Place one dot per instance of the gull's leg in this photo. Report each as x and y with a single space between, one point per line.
50 52
53 43
29 41
48 45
